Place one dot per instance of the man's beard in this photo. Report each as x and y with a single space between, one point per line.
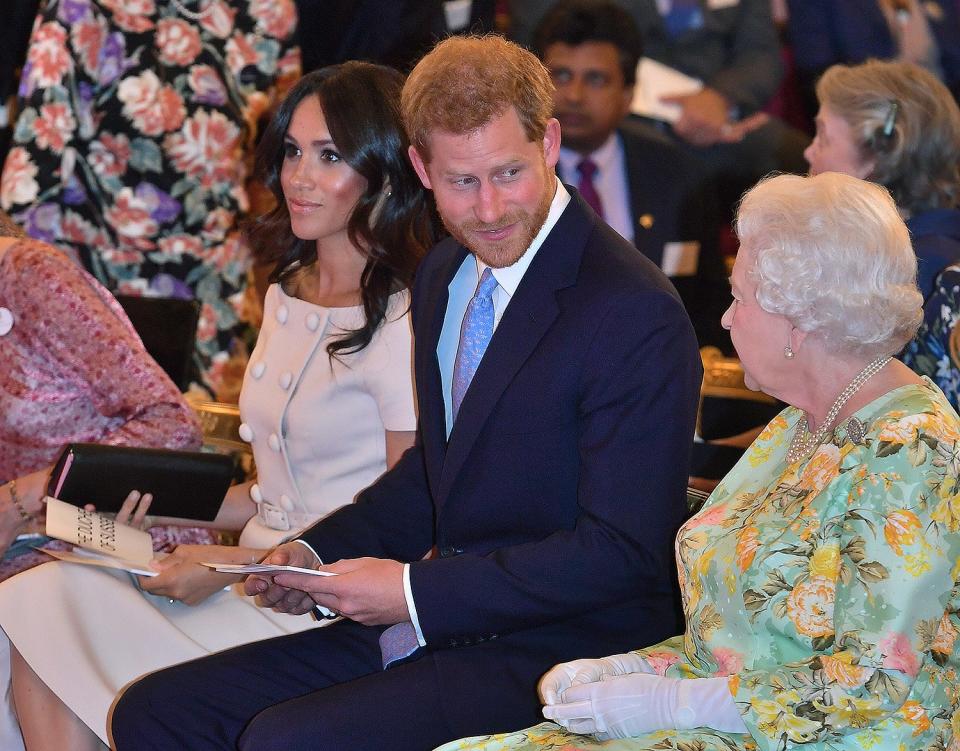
499 255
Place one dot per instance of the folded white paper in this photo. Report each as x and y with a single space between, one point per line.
656 80
262 568
79 555
97 532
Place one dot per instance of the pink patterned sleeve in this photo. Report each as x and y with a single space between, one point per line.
80 326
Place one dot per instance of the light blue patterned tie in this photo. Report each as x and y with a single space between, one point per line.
400 640
475 335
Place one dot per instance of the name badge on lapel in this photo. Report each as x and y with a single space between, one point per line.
680 258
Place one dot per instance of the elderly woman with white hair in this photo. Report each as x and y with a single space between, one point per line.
820 578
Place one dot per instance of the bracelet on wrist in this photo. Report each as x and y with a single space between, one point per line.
18 502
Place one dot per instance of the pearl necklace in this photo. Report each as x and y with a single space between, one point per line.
193 15
804 442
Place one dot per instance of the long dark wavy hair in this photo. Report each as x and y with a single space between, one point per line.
361 105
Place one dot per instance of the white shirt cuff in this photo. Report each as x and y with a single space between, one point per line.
310 548
325 612
411 607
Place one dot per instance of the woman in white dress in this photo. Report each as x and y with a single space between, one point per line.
327 405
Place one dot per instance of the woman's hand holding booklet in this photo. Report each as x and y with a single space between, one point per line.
107 541
102 540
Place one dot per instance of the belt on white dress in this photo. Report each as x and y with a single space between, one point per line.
276 518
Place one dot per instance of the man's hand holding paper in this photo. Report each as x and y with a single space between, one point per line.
367 590
284 598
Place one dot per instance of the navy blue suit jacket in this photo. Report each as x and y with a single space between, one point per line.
554 504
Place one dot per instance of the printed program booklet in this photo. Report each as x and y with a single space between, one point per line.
99 539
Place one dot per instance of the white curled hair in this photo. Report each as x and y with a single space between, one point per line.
833 256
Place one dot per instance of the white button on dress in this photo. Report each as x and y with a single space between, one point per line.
255 493
274 441
282 314
285 380
313 321
6 321
257 370
285 503
246 432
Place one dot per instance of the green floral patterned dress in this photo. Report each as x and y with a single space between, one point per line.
826 589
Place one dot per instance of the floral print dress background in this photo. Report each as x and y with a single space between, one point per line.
131 149
825 589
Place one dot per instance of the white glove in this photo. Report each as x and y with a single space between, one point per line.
561 677
638 703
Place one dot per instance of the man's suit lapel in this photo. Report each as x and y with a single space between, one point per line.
527 318
640 203
433 419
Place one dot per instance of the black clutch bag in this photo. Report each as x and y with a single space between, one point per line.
184 484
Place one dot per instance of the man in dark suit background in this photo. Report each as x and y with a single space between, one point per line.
642 185
533 522
733 47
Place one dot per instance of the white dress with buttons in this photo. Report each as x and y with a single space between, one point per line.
317 431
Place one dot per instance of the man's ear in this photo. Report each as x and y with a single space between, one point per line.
419 166
551 142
